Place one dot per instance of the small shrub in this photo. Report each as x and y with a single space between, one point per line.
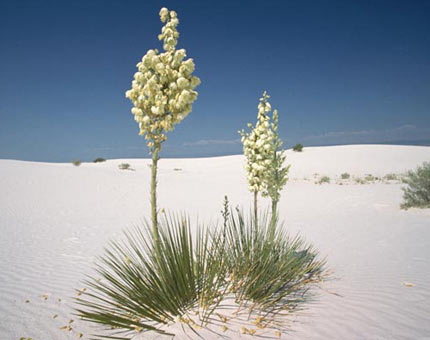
391 177
359 180
324 179
298 147
124 166
417 192
345 175
99 160
76 162
370 178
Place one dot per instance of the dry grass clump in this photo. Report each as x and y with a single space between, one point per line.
124 166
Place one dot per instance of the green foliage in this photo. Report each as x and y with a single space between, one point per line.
225 212
140 291
124 166
324 179
298 147
268 270
76 162
345 175
417 191
99 160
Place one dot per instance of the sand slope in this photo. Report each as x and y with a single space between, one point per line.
55 218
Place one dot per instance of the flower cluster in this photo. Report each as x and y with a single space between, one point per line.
258 147
277 174
264 160
162 91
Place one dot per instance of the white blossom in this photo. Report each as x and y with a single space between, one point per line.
162 91
264 161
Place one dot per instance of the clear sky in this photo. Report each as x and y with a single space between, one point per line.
337 71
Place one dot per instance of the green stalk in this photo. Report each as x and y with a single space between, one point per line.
273 217
155 233
255 207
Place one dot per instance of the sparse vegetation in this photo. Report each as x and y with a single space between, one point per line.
76 162
345 175
124 166
324 179
370 178
359 180
99 160
391 177
417 192
298 147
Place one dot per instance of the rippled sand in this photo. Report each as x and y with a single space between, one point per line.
55 218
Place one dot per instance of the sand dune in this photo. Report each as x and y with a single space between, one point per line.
55 218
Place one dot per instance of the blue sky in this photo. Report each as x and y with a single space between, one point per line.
337 71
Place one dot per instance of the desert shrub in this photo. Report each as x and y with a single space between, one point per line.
345 175
417 191
268 270
142 291
298 147
76 162
324 179
99 160
124 166
359 180
391 177
370 178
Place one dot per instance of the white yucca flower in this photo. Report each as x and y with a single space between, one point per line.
256 146
162 91
264 159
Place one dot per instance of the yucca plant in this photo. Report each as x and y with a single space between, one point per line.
269 271
162 93
138 291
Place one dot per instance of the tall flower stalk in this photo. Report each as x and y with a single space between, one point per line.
162 94
264 158
277 173
256 148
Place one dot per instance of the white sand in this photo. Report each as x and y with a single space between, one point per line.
55 218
